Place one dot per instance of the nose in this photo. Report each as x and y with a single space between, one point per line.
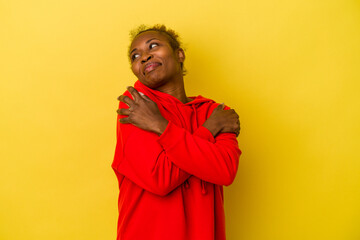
146 57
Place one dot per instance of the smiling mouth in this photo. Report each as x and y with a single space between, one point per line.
151 66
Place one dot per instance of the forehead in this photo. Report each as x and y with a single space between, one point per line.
145 36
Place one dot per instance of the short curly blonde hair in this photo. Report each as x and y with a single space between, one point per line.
173 37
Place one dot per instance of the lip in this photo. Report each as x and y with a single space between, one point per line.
150 66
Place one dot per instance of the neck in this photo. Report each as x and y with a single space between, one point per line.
175 89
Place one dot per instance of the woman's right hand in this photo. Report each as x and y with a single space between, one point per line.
222 121
142 112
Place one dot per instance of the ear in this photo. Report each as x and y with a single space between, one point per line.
181 55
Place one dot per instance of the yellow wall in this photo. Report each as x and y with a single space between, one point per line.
289 68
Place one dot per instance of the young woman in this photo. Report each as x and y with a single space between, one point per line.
174 153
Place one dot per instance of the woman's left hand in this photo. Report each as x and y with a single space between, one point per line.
142 112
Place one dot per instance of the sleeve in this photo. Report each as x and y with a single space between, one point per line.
211 159
144 161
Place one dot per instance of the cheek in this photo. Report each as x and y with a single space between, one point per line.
135 69
172 63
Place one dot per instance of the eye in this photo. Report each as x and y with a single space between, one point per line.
134 56
152 45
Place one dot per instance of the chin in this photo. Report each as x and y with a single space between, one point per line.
152 82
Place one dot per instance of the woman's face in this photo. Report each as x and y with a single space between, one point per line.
153 61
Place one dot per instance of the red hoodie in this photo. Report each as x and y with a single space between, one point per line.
171 185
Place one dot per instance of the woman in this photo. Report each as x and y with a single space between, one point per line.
174 153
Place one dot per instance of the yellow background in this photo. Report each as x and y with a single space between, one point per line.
289 68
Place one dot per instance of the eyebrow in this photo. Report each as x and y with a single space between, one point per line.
145 43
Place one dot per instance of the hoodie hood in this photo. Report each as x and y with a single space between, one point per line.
165 98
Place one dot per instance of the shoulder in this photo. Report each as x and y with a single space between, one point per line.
122 104
211 103
205 106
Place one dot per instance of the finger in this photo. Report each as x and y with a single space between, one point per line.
145 97
124 120
216 109
134 93
237 130
126 99
222 106
123 111
219 107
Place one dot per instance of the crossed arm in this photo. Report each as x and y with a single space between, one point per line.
166 155
144 113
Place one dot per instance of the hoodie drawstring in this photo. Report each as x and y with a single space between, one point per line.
203 187
187 184
203 183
